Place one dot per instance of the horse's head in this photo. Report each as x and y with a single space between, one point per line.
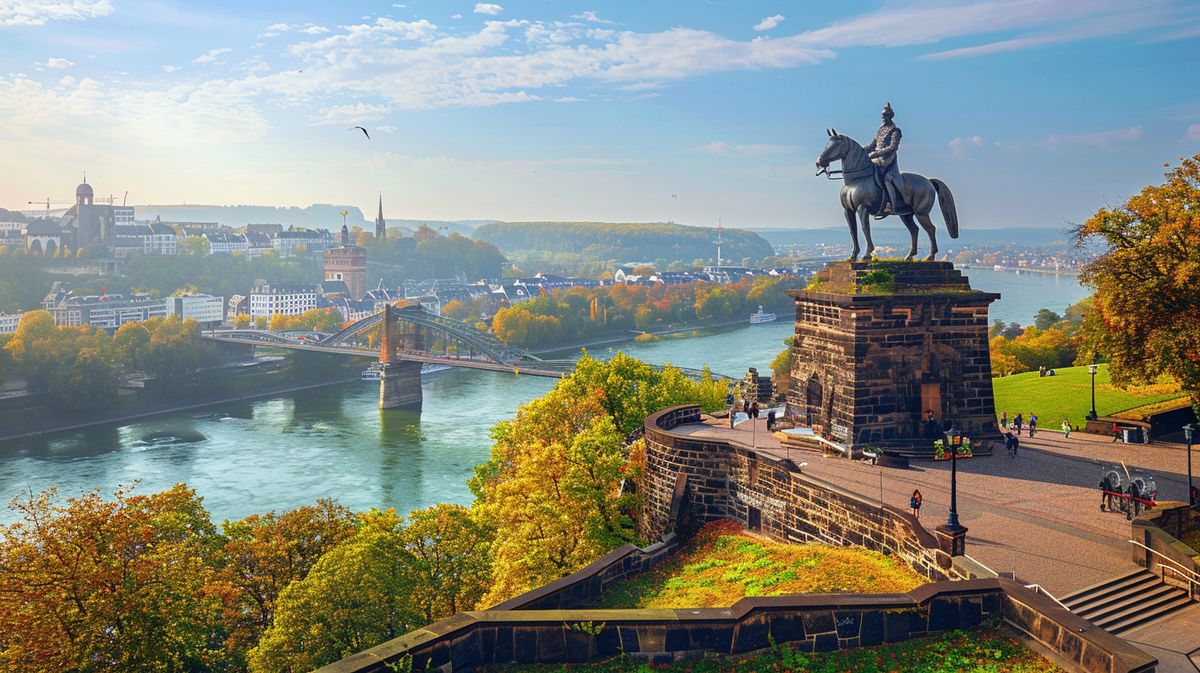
835 149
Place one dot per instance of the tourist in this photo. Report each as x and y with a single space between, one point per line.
1004 419
1105 489
754 410
1011 443
771 421
1032 423
729 397
746 406
1041 370
1017 422
915 503
1116 430
1066 428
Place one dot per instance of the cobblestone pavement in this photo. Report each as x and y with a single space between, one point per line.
1036 516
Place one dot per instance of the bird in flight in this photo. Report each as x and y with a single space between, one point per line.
368 135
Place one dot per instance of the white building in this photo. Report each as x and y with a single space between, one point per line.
205 309
147 239
8 322
225 244
308 242
107 312
122 215
267 299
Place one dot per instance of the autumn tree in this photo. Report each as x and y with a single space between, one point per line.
129 344
1147 282
108 585
449 556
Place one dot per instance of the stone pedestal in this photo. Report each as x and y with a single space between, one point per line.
953 541
400 385
889 353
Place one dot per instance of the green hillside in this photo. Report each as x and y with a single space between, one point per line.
1068 395
623 242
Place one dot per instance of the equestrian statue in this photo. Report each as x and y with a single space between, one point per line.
874 186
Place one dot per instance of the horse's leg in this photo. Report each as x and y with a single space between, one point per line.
864 219
927 225
912 232
853 224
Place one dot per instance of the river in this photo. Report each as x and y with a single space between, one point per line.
280 453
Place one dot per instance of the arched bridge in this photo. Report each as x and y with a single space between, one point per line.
411 334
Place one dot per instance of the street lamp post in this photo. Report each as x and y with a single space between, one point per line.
952 522
1092 370
1187 434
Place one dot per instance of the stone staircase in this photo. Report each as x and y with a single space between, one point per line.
1126 601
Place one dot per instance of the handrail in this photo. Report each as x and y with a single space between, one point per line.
1037 589
1188 574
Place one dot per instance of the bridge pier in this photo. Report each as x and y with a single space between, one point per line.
400 385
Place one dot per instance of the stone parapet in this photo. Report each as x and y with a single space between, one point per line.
773 496
811 623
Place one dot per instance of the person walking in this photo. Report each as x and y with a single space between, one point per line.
1116 430
754 410
1004 420
746 406
915 503
1017 422
1011 443
1066 428
1032 423
771 421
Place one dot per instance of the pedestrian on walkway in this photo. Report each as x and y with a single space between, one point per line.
1066 428
1116 430
1004 419
1017 422
1011 443
746 406
1032 423
771 421
754 410
915 503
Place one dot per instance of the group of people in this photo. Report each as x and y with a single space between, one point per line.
1019 422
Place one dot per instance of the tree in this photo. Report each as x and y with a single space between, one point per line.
108 585
262 555
194 246
1045 318
1148 282
129 344
450 559
355 597
242 320
174 352
88 381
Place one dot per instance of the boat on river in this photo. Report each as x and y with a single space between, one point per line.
760 316
372 373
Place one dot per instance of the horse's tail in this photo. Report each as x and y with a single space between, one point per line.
946 201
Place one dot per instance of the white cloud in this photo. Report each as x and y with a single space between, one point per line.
1193 132
276 29
721 148
58 63
1100 139
590 16
385 128
314 30
959 147
356 114
491 9
769 22
171 68
456 16
211 55
573 99
38 12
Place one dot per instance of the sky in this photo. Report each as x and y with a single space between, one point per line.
1035 112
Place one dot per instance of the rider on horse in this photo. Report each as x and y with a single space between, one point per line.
882 152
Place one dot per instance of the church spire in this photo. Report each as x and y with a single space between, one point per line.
380 223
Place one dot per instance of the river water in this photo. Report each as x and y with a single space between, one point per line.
284 452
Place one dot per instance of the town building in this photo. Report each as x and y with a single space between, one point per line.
380 223
155 238
43 237
257 243
225 244
9 322
267 299
302 242
94 226
107 312
348 264
205 309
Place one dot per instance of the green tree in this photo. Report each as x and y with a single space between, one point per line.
87 381
129 344
449 551
1045 318
1148 282
194 246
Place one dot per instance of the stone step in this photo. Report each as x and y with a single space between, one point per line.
1137 597
1118 624
1100 590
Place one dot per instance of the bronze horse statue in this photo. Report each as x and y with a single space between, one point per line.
863 196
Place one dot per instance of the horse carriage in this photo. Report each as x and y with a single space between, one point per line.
1127 492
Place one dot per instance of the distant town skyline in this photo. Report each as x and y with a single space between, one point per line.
1035 112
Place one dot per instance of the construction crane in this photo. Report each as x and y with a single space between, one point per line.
110 200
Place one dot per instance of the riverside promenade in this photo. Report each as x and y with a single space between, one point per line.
1036 516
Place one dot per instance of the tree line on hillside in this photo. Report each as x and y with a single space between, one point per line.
569 316
428 254
79 367
591 241
150 582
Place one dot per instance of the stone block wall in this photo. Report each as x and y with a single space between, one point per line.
811 623
1164 554
867 367
727 481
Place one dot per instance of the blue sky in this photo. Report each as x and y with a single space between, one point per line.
1035 112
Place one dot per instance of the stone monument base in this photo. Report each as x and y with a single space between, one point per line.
890 355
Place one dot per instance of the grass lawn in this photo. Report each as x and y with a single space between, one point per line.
721 564
979 651
1068 395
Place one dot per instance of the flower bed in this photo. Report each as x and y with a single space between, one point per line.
940 452
722 564
980 651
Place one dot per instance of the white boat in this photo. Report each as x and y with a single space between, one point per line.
372 373
759 317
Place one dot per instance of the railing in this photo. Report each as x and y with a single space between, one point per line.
1037 589
1186 575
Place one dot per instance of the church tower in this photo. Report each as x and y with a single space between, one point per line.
380 223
